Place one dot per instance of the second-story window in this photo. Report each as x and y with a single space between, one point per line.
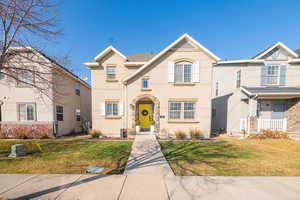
238 79
183 72
145 83
25 78
111 73
273 75
77 89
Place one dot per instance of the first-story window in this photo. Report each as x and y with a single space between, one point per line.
78 118
27 112
59 113
111 108
2 76
182 110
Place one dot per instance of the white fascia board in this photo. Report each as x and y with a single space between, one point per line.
274 46
91 64
240 61
105 51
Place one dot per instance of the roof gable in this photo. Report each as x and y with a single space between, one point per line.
172 45
106 51
275 48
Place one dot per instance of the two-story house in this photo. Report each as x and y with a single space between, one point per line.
259 93
170 89
65 106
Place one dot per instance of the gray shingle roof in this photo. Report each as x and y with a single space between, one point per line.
140 57
279 90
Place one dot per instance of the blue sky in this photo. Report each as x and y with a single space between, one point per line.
232 29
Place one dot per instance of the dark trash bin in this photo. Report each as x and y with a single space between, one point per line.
123 133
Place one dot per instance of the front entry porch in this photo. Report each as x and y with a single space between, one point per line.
145 114
273 108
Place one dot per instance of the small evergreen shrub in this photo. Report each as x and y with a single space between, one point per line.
180 135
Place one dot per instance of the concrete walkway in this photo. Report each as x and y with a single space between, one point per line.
147 176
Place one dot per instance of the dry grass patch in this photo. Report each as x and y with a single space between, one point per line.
65 156
232 157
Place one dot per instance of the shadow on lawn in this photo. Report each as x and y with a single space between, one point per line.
210 153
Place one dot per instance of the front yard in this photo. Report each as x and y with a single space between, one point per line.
232 157
65 156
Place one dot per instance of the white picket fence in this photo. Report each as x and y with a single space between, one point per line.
271 124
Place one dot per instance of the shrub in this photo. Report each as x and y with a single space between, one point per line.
196 134
95 133
137 122
180 135
269 134
42 131
4 134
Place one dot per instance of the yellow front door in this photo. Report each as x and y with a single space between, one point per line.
145 113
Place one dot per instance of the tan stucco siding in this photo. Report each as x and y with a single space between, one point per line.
103 90
164 91
66 97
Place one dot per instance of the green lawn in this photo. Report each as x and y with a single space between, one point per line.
230 157
65 156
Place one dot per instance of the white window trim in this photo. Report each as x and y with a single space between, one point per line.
115 72
34 111
112 114
183 71
182 110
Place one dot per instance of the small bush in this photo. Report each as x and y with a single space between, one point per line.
196 134
137 122
95 133
180 135
269 134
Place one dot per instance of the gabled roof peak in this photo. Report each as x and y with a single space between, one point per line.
278 44
107 50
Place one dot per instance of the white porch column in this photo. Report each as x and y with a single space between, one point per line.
252 107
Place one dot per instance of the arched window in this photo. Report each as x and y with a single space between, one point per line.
183 72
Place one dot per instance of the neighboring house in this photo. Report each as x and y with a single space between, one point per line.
170 90
260 93
65 107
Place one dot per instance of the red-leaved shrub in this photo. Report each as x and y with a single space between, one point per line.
37 131
270 134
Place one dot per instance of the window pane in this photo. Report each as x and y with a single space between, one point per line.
174 110
187 72
145 83
178 72
111 72
273 75
26 76
59 113
108 108
22 112
115 109
30 112
189 110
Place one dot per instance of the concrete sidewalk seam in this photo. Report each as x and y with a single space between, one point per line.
68 187
122 187
15 186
